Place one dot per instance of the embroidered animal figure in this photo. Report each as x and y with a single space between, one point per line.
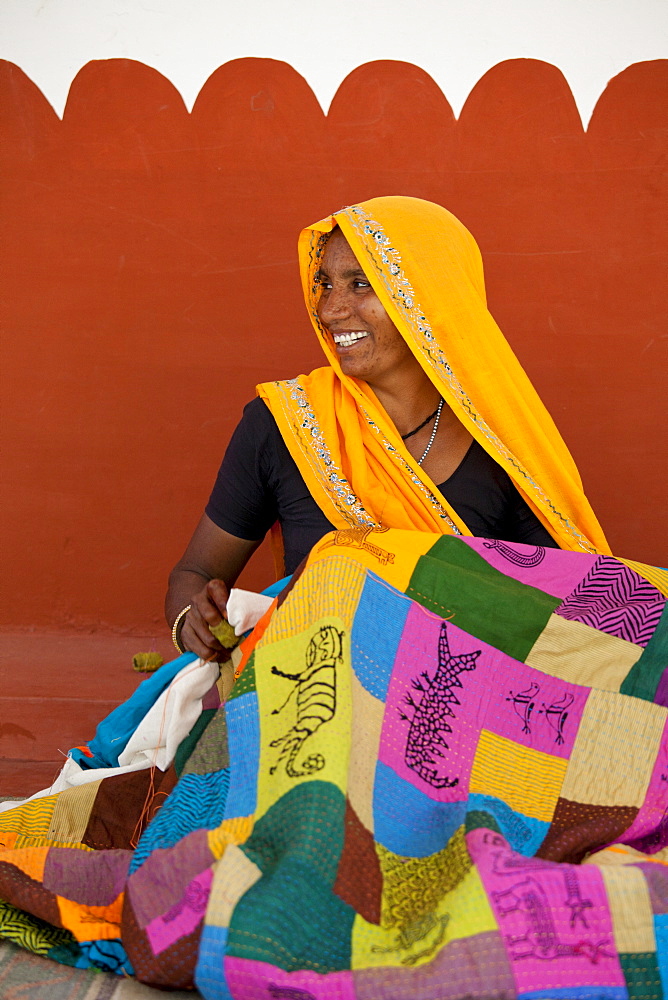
557 714
527 561
315 688
288 993
413 891
524 703
357 538
574 901
540 939
426 736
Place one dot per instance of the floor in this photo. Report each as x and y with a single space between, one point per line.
54 689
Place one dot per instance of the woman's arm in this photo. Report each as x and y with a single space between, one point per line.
203 578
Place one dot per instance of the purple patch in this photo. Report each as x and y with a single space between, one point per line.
159 883
439 682
473 967
532 708
661 696
184 916
614 599
252 980
92 878
212 698
550 570
554 918
649 831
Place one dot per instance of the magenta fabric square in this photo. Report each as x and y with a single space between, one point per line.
554 918
532 708
649 831
550 570
248 979
182 919
430 729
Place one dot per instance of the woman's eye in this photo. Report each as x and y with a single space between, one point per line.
359 283
326 285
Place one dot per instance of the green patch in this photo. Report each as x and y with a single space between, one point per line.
291 917
188 744
211 751
477 819
641 971
643 678
246 681
306 823
456 583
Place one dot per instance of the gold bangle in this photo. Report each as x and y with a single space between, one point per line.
176 627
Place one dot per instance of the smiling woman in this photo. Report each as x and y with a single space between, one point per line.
423 419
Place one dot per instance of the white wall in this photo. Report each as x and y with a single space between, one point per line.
455 41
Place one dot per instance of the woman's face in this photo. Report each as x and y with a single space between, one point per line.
367 342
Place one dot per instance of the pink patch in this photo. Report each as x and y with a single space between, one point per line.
552 917
649 831
551 570
184 916
533 709
461 689
250 980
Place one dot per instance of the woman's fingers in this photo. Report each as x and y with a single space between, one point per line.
207 608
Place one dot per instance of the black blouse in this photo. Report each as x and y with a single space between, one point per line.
259 483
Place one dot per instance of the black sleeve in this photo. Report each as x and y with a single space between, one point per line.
241 502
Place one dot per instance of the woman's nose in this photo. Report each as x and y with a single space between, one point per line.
334 305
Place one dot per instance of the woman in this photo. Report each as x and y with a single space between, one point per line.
423 420
441 770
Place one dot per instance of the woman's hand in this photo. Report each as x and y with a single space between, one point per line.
208 607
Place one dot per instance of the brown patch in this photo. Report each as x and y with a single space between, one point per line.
359 881
26 894
124 806
579 828
174 967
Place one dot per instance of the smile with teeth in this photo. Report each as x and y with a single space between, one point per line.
345 339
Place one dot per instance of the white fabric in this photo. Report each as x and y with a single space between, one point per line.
244 609
156 738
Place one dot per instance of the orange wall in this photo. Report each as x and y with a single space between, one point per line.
150 280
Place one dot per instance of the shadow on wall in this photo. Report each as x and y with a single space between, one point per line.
150 269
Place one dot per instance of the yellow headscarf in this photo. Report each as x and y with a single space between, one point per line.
427 271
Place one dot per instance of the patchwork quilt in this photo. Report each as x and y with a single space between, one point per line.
441 773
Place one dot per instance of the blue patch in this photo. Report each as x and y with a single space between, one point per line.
524 833
108 955
661 935
197 802
209 972
578 993
243 739
377 629
408 822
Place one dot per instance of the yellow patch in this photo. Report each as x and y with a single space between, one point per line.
373 549
231 831
576 653
72 812
529 781
306 714
614 751
365 732
32 819
326 589
234 875
420 920
630 908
